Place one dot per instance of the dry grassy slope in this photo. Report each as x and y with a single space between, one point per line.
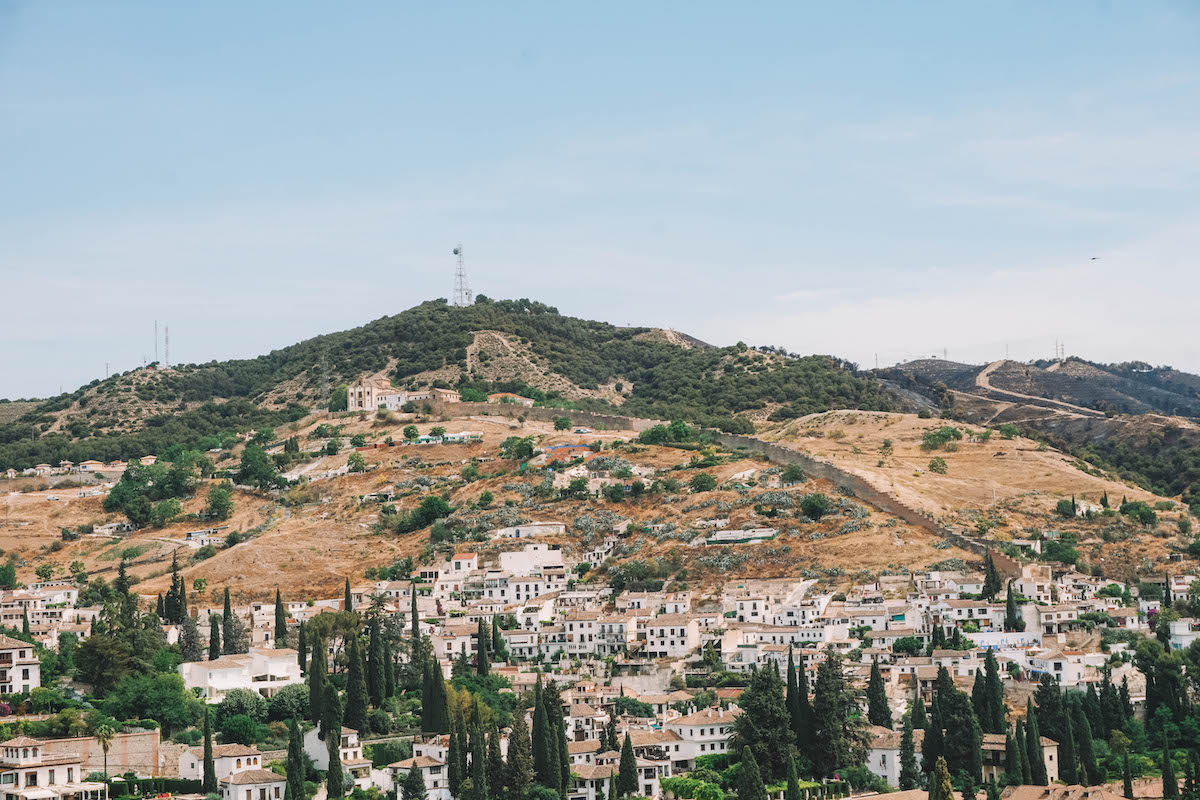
309 550
10 412
1014 483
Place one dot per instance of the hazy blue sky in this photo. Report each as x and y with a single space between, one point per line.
851 178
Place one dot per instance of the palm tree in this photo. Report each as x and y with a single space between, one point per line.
104 735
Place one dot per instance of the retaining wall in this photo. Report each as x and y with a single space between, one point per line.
578 418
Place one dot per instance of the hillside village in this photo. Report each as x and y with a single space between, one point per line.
433 595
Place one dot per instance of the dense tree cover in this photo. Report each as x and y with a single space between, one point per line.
208 426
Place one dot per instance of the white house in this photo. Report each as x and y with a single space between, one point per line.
353 762
228 759
20 670
702 733
434 771
262 670
28 772
253 784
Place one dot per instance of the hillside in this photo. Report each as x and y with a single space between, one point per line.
490 346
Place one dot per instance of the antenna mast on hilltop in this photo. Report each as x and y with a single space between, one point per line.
462 289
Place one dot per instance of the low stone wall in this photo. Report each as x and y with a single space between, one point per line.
130 752
861 488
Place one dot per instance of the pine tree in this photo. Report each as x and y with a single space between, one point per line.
481 651
295 763
209 783
1033 747
375 664
992 582
356 688
910 773
1127 777
214 637
334 783
316 681
749 780
996 711
793 780
627 775
940 787
302 648
228 632
1170 789
281 631
414 785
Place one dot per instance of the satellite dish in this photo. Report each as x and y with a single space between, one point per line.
456 250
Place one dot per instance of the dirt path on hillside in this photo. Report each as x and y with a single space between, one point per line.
982 380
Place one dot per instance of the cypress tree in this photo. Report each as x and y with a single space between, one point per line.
1170 789
481 650
793 780
932 746
541 735
464 747
1012 760
877 704
227 628
612 786
627 776
1025 772
356 688
302 648
803 731
564 753
190 647
426 701
993 791
996 711
496 767
1127 777
375 665
295 763
992 582
979 700
435 713
183 606
918 712
281 631
334 783
499 649
610 730
479 777
316 681
553 778
454 777
793 697
1087 754
389 669
1012 619
209 783
159 608
1033 747
749 780
940 787
1067 760
348 601
830 709
414 785
910 773
25 623
214 637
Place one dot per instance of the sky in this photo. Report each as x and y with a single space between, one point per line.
878 181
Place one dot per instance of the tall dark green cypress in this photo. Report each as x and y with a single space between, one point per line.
749 778
348 601
910 773
877 704
1012 760
1083 747
453 776
996 713
375 664
214 637
564 754
918 712
627 774
520 758
227 626
481 651
992 583
209 783
1068 762
495 764
1012 619
302 648
979 699
1170 789
792 698
479 776
1033 747
316 681
1127 778
356 688
1024 771
335 784
281 630
541 737
553 778
295 763
159 608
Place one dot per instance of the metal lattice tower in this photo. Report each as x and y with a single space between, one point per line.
462 289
